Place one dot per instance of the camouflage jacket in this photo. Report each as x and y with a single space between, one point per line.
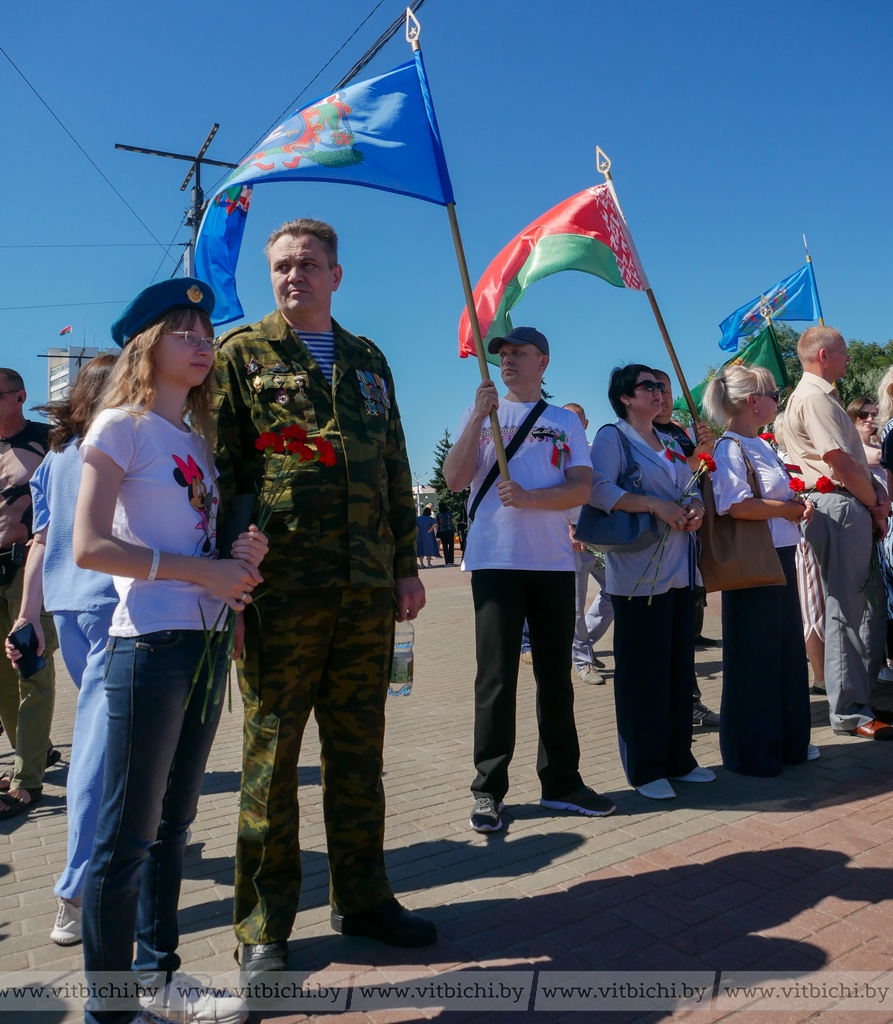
348 524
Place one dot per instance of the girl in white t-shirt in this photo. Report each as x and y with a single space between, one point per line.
147 515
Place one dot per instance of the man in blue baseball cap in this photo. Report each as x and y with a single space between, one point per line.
522 566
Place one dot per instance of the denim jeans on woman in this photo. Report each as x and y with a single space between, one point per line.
156 753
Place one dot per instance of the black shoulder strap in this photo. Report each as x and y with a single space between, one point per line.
510 450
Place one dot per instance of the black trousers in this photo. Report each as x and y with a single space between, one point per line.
654 657
448 540
764 723
503 598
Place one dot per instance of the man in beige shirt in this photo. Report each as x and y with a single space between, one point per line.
822 440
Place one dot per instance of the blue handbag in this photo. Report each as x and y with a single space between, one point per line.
618 530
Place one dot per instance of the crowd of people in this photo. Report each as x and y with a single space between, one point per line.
139 511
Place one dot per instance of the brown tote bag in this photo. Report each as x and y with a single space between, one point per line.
737 553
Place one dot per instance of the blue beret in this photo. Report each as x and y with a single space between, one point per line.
159 299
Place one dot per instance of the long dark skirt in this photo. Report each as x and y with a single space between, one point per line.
765 718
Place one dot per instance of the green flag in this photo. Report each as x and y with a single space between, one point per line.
762 351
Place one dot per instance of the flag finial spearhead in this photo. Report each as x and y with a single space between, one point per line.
413 29
602 162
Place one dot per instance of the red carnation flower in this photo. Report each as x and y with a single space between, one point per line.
824 485
294 433
767 436
265 440
797 486
326 451
707 462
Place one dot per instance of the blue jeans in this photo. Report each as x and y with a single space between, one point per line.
83 639
154 768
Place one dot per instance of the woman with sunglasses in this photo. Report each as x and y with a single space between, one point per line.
764 719
863 411
652 594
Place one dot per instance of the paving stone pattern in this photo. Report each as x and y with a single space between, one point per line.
787 874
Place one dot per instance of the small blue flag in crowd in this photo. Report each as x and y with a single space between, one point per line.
794 298
381 133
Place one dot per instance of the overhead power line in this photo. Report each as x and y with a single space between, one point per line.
372 52
79 146
85 245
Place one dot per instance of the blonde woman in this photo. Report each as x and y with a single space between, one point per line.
147 516
764 719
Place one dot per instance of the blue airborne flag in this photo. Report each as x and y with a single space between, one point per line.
794 298
381 133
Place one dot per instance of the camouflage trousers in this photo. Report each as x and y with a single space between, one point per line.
26 705
329 650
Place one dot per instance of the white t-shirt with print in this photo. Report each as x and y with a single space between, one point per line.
524 538
168 500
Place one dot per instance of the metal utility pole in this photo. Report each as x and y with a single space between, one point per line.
194 218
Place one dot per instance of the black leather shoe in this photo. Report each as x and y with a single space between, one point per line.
388 923
262 958
706 641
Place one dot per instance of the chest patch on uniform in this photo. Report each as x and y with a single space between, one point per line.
374 391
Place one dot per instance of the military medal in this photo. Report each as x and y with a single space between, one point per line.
374 391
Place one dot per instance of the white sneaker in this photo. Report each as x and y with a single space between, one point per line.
590 674
187 1000
660 789
812 752
67 929
696 775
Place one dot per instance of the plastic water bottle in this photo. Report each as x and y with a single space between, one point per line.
400 684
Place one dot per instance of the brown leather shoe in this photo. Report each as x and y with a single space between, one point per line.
874 730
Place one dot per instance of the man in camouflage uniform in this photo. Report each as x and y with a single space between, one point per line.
341 568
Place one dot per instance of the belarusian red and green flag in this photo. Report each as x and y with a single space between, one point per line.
763 351
586 232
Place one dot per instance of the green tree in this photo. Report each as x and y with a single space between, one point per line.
454 502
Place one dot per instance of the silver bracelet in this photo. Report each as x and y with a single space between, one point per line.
650 509
153 572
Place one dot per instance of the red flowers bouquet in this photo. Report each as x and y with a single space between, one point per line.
296 446
824 485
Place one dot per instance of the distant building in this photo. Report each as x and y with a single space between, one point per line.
424 495
63 365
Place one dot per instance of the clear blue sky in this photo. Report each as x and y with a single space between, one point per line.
733 129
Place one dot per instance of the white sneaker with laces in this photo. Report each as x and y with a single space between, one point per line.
67 929
590 674
188 1000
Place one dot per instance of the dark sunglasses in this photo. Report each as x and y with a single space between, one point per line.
653 385
774 395
866 415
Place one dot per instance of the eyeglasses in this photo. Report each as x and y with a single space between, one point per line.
862 415
196 340
774 395
14 392
652 385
